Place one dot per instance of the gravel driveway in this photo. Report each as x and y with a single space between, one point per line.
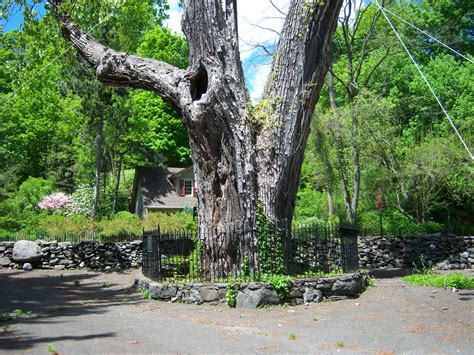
92 313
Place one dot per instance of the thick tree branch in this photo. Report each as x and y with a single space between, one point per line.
292 91
119 68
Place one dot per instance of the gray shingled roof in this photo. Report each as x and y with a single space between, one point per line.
158 191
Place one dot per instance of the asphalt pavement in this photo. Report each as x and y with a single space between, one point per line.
79 312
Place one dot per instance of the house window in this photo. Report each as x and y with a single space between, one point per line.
188 187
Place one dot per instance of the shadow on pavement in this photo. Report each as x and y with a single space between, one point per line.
49 296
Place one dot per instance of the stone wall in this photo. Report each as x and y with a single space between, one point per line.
257 294
67 255
447 252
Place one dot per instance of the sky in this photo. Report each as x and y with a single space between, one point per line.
15 18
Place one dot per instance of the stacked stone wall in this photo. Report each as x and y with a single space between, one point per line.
67 255
447 252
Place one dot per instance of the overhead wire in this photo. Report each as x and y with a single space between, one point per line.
425 79
427 34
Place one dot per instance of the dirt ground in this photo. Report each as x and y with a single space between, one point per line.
81 312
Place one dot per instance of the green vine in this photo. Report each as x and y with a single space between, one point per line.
270 248
231 294
281 284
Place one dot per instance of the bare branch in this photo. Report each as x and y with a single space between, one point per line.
277 8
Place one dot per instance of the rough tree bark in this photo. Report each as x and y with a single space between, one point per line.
240 152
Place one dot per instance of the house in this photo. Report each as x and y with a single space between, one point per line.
163 189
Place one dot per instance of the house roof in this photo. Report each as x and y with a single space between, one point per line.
158 191
181 172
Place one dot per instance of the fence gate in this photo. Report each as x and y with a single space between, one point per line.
349 251
151 266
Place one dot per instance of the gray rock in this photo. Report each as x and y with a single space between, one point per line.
308 295
162 292
465 255
5 261
347 288
82 264
312 295
191 296
256 298
25 251
27 266
208 294
59 267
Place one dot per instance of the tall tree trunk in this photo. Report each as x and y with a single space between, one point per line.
118 172
98 143
238 152
290 95
355 163
339 151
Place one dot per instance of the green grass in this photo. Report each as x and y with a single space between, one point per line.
292 336
456 280
52 349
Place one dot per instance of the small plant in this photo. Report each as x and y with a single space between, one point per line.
20 314
106 284
370 281
52 349
231 294
340 344
76 283
146 294
426 266
125 300
4 316
292 336
280 283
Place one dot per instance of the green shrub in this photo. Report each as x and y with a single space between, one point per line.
31 193
395 223
169 221
82 201
58 225
121 224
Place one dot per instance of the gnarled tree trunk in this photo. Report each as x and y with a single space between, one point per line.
240 152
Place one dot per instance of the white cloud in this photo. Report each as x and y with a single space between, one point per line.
174 21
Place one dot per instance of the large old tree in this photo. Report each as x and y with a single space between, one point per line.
241 152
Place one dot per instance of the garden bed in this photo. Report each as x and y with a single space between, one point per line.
257 294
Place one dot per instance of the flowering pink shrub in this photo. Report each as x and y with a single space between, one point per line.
55 201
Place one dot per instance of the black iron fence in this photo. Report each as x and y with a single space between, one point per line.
183 256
